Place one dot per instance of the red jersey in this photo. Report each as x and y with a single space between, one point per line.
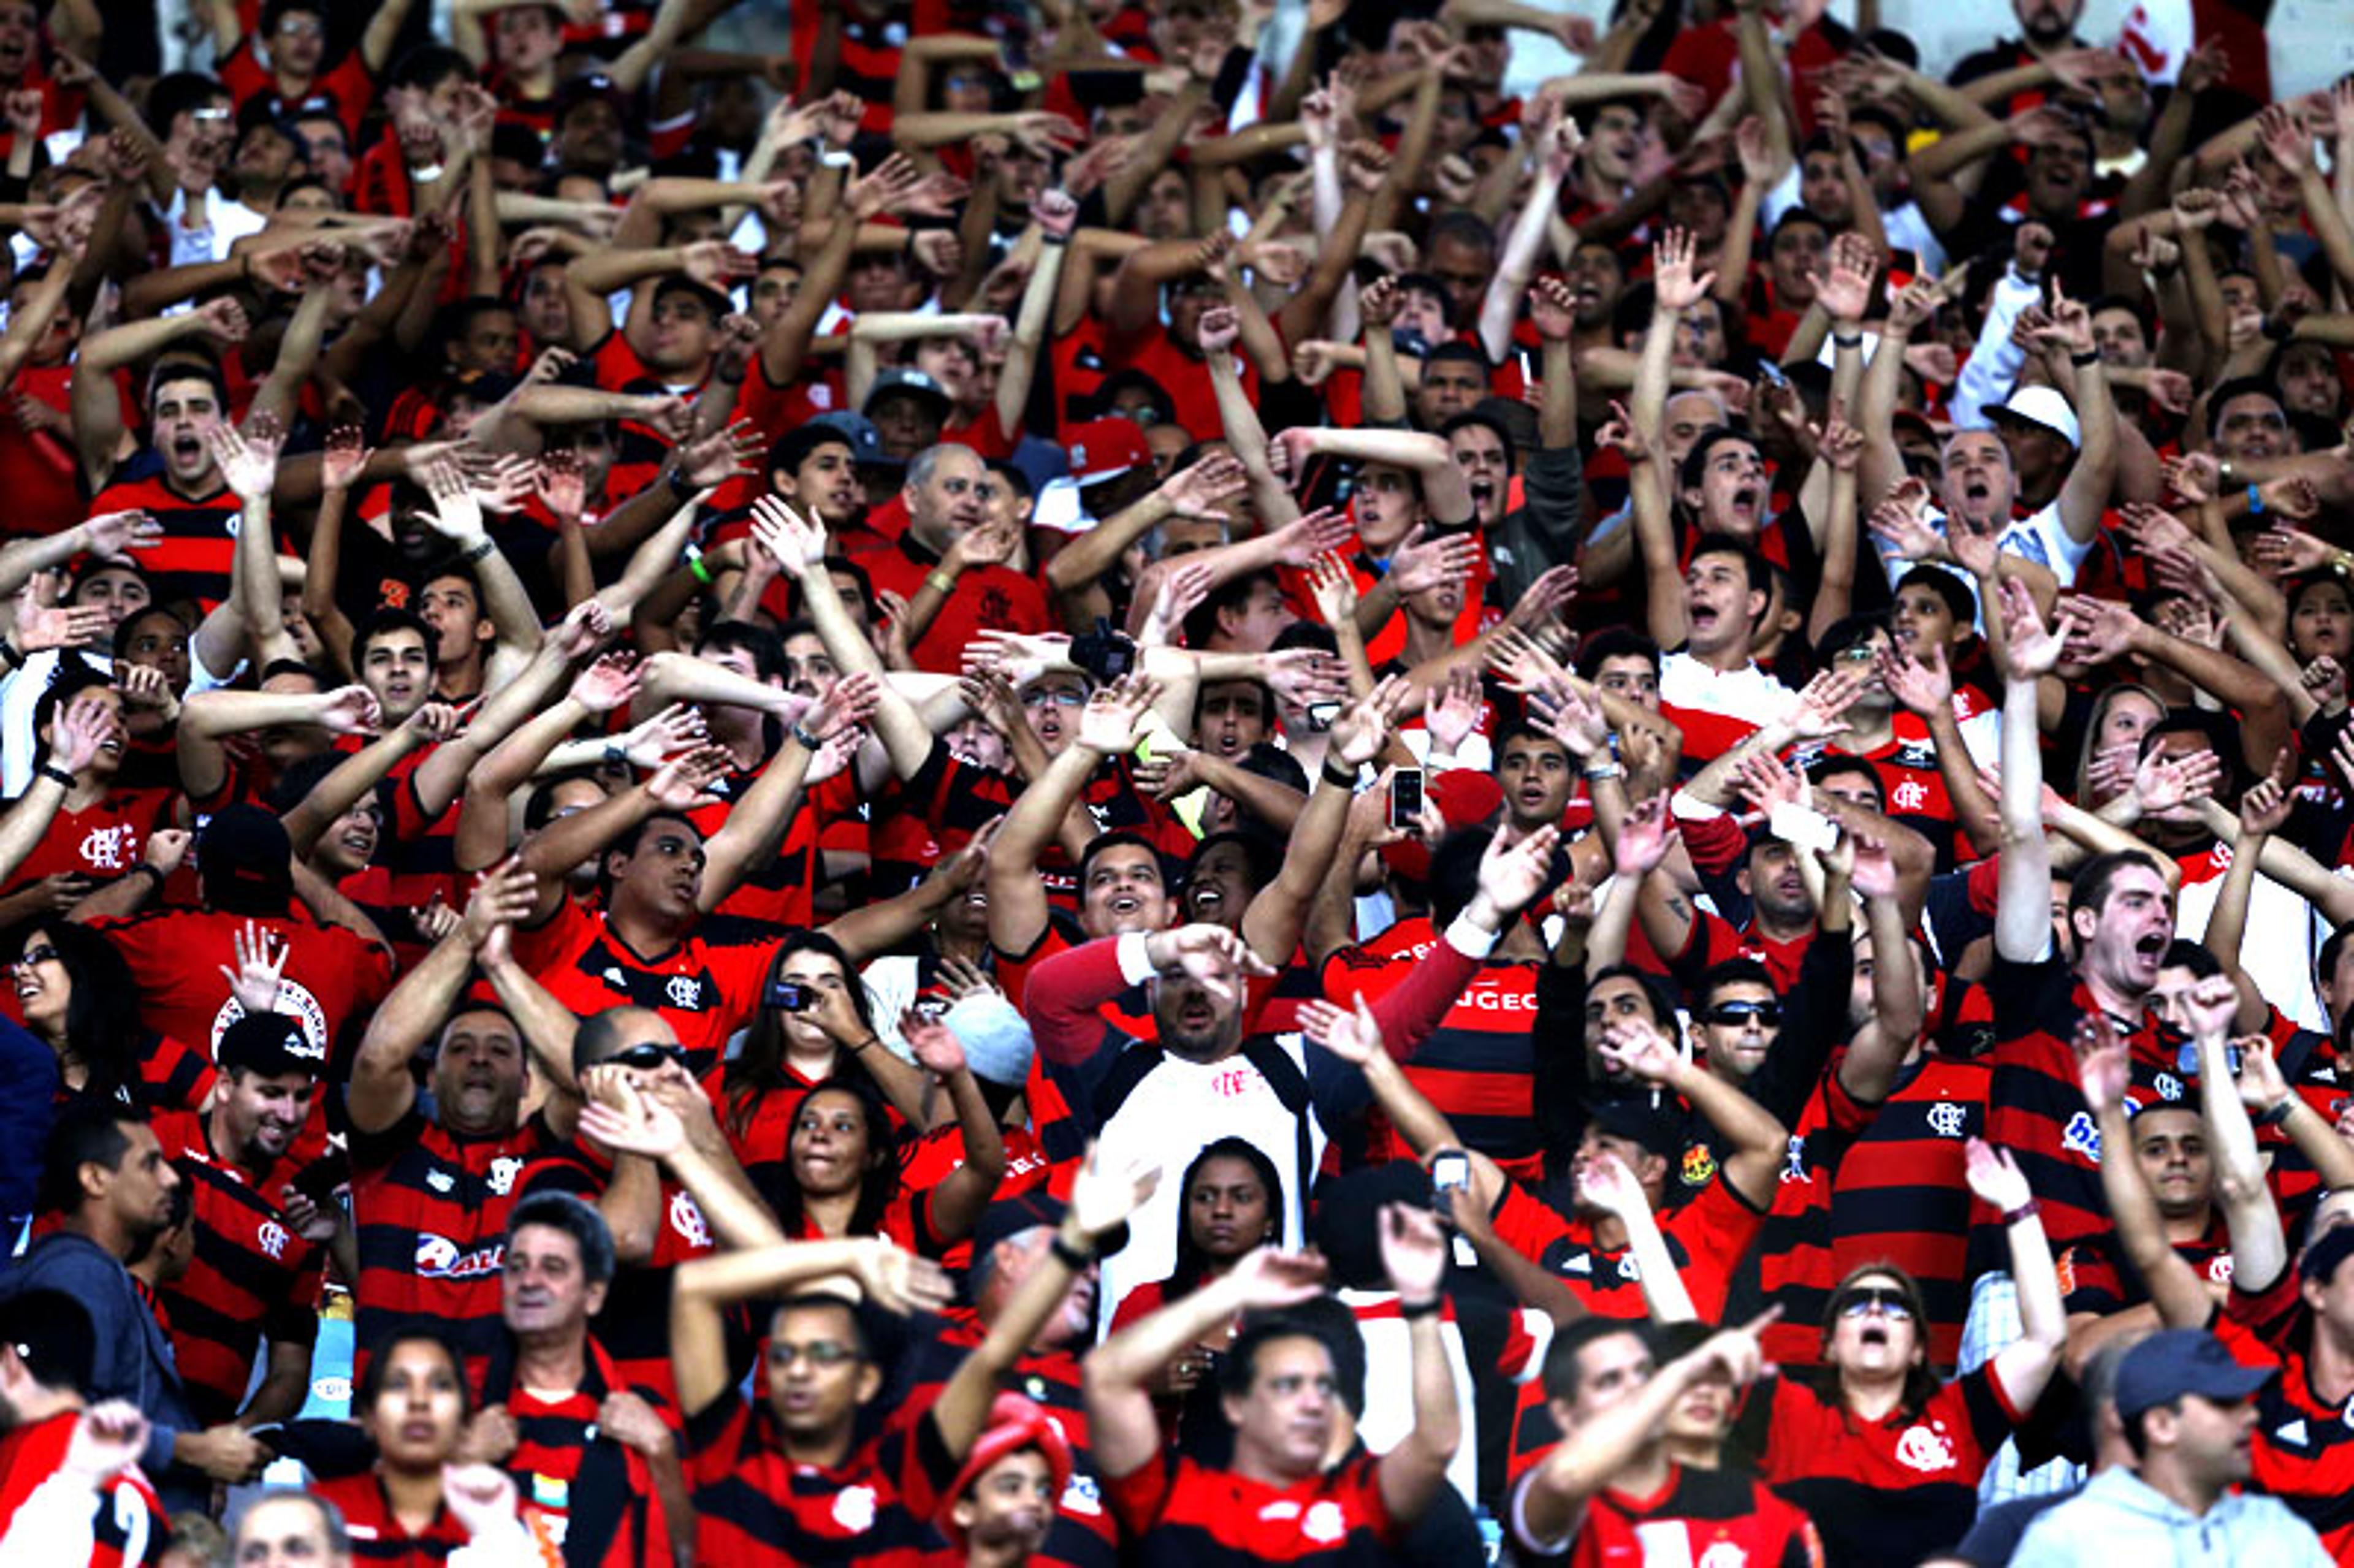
102 841
987 598
703 992
44 474
1181 1514
193 559
754 1505
1697 1516
333 976
377 1538
585 1492
345 91
128 1522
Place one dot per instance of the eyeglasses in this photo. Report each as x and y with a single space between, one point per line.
646 1055
44 954
297 28
1857 653
1055 698
1769 1013
1891 1303
818 1353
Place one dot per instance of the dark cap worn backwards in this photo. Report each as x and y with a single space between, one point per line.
246 861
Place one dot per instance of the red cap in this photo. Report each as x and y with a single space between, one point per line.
1015 1424
1465 798
1106 449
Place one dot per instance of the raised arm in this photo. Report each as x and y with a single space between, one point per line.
2022 921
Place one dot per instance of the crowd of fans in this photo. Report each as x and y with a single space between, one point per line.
1140 781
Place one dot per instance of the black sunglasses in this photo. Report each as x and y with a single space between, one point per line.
1765 1012
1892 1304
645 1057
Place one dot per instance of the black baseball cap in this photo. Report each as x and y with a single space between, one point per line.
50 1332
2174 1362
270 1043
245 861
1636 1119
2321 1259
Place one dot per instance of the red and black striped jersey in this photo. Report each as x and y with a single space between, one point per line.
2096 1277
1893 1490
1700 1517
130 1527
754 1505
1477 1066
919 821
2304 1444
634 1329
1900 1195
2034 1108
588 1493
1083 1534
193 559
431 1207
705 992
1181 1514
780 891
377 1538
253 1278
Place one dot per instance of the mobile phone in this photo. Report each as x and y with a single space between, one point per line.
791 996
1321 715
1450 1172
1406 798
1803 827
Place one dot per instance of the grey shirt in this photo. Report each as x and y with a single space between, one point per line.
2120 1518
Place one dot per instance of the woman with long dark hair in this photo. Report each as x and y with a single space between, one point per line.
76 995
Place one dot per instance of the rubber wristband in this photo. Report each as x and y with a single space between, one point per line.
10 651
482 552
1340 776
149 869
1604 771
2026 1210
806 739
52 770
2255 501
1853 340
1410 1311
1069 1257
2090 357
695 564
1052 239
940 580
2277 1115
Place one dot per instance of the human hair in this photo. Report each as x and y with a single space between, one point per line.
179 93
414 1330
427 66
1760 573
1848 632
390 618
1831 764
1104 843
564 1212
71 680
1655 991
1239 1368
2239 386
1193 1264
86 1132
1485 421
1695 468
2325 962
1464 349
2182 954
2095 878
184 364
1235 593
331 1517
539 806
102 1024
1731 972
766 647
1561 1373
796 446
819 1301
760 1068
1616 642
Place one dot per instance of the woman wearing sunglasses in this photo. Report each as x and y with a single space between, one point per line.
1883 1454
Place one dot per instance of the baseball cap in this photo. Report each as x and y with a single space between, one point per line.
270 1043
865 440
1639 1122
1106 449
717 303
2173 1362
50 1332
911 383
577 91
2044 407
1016 1423
1011 1216
245 861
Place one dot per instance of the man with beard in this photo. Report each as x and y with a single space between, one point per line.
2048 28
255 1277
108 1177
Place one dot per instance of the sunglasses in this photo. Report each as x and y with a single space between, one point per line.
1765 1012
1892 1304
646 1057
819 1354
43 954
1061 699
